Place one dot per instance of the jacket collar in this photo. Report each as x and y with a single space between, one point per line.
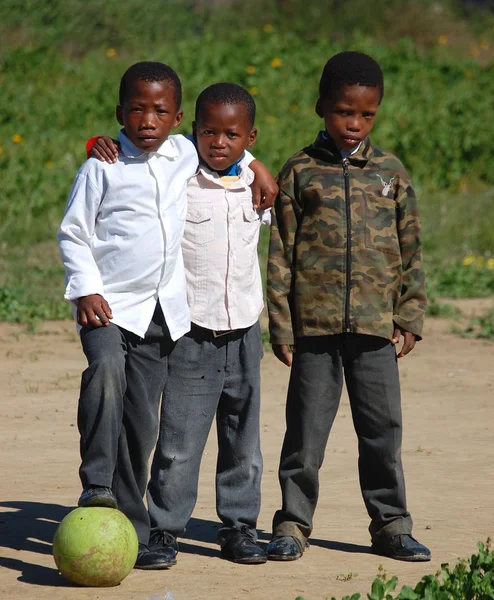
167 148
325 149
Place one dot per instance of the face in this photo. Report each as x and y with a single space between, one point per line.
349 116
223 132
149 114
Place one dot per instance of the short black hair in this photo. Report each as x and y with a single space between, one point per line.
226 94
350 68
150 71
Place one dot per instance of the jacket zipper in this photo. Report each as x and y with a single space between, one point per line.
346 177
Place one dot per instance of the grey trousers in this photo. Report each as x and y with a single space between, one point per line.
370 369
119 409
209 377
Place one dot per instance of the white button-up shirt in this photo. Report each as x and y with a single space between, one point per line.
121 234
224 287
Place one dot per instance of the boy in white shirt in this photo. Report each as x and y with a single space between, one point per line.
120 244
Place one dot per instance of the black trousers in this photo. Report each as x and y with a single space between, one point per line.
369 366
118 413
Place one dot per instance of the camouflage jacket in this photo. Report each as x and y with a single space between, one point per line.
345 249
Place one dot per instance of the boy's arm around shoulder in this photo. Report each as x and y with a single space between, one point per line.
284 223
76 229
410 307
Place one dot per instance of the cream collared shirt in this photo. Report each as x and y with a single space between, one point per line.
121 234
224 287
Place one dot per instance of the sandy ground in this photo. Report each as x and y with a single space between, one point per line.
448 453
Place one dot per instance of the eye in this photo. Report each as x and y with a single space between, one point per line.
232 135
369 115
135 109
342 112
162 111
206 132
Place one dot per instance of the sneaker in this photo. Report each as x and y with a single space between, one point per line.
402 547
240 547
95 495
284 547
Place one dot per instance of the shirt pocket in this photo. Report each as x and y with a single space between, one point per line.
250 223
381 233
199 225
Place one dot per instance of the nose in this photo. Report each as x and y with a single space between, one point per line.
353 124
148 120
219 141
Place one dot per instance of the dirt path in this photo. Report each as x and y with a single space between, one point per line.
448 452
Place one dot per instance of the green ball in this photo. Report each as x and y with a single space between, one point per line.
95 546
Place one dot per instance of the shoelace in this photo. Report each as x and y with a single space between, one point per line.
163 538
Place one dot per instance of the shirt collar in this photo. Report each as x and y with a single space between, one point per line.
245 174
325 148
167 149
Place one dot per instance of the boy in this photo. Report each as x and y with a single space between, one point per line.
345 282
214 369
120 244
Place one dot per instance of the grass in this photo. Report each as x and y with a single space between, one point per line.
58 89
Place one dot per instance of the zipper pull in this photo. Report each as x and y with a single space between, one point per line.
345 167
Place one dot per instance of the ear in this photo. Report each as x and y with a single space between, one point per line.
252 137
319 112
178 119
119 114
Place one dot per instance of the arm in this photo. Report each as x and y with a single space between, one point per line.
103 148
410 308
84 286
280 265
264 187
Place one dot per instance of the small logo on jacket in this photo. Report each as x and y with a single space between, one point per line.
386 186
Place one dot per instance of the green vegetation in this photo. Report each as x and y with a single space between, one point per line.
60 65
471 579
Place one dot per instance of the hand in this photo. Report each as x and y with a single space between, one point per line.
264 187
409 340
93 311
104 149
283 352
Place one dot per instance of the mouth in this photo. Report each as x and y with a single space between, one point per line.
147 139
216 156
350 140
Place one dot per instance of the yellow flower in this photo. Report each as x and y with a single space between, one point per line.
253 91
250 70
469 73
490 263
17 138
270 119
443 40
294 107
468 260
111 52
484 44
48 164
276 63
268 28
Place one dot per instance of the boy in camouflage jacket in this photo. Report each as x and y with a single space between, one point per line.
345 283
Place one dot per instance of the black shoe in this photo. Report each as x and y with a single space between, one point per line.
402 547
241 548
150 558
94 495
284 547
164 544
